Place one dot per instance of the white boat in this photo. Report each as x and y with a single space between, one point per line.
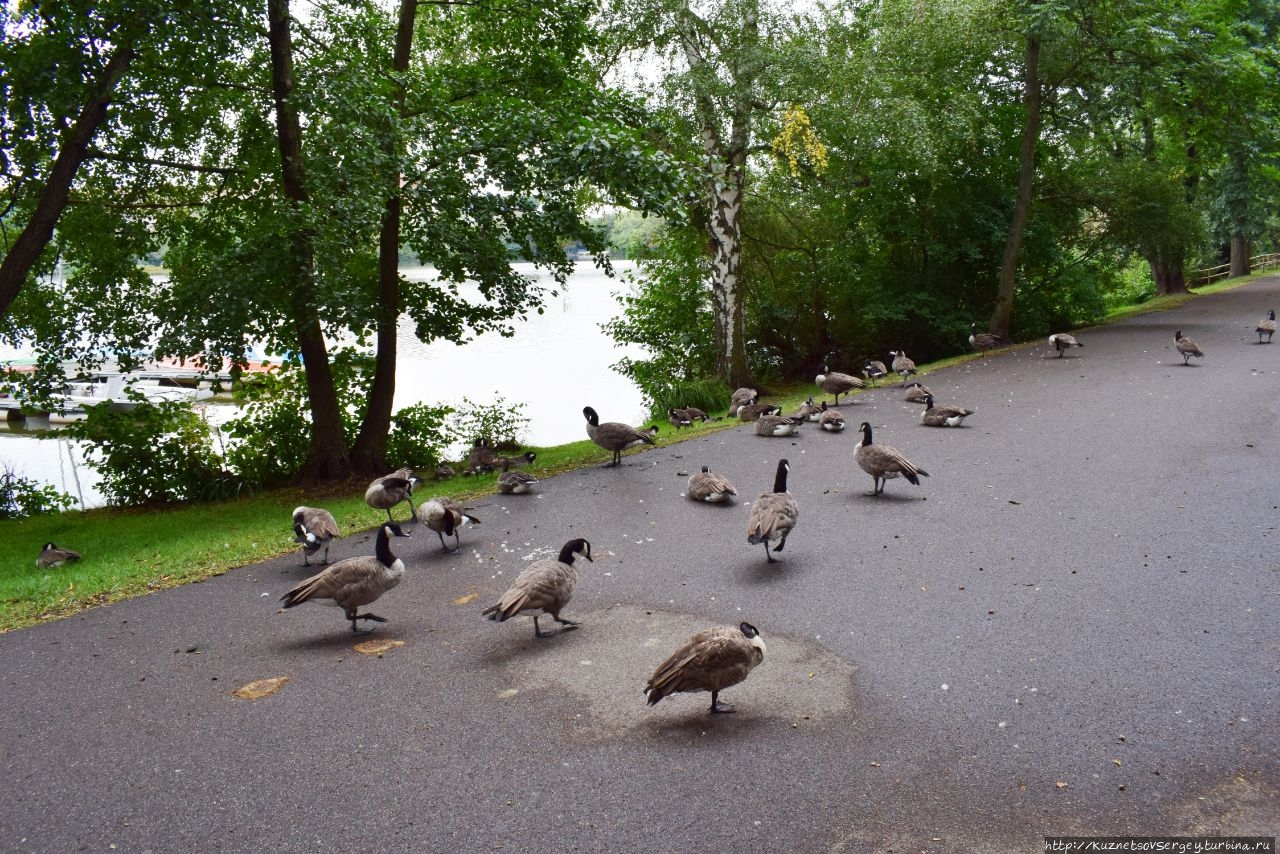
113 388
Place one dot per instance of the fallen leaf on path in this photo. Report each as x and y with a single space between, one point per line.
466 600
377 647
260 688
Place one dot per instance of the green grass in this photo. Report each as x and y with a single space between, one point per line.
131 552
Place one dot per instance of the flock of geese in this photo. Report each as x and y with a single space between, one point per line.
711 660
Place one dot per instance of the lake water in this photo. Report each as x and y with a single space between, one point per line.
556 363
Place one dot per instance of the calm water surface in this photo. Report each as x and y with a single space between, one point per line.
555 364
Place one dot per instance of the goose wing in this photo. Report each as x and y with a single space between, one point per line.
347 581
320 522
772 515
547 585
877 459
704 484
711 660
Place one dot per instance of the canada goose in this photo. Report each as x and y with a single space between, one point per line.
831 420
544 586
615 436
696 414
444 472
712 488
386 492
777 425
753 411
511 462
679 418
942 415
313 528
1187 347
773 514
916 393
514 482
833 382
481 458
741 398
441 515
883 462
1267 326
355 581
1063 342
902 366
51 556
984 340
874 370
808 411
711 660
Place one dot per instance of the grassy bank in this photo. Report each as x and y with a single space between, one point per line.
131 552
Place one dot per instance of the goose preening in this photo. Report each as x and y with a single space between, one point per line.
984 340
711 660
1187 347
481 458
514 482
1267 327
902 366
695 414
777 425
544 587
916 393
444 517
831 420
313 529
741 398
942 414
679 418
1062 342
615 436
874 370
51 556
833 382
752 411
355 581
709 487
386 492
809 411
773 514
883 462
444 472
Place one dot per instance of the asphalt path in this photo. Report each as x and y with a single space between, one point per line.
1071 627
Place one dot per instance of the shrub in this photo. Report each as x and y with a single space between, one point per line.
418 436
1133 286
501 424
21 497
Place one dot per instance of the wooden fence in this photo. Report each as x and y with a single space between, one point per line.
1200 278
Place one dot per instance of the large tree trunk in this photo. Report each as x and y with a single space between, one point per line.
1238 212
1002 315
725 232
1168 275
368 455
1239 253
327 458
72 151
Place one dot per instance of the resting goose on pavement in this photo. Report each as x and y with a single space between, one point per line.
1187 347
313 529
709 487
51 556
916 393
773 514
883 462
1267 327
544 587
777 425
712 660
615 436
942 414
386 492
902 366
1062 342
355 581
808 411
831 420
833 382
444 517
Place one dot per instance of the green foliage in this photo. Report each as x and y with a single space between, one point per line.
418 437
156 453
1132 286
501 424
21 496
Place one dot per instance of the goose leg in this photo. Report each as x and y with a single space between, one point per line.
326 553
718 708
413 511
457 543
780 544
768 557
570 623
305 561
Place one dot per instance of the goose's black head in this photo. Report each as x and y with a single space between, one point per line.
780 476
48 547
866 432
1271 315
706 469
749 630
392 529
575 548
928 401
1177 336
590 415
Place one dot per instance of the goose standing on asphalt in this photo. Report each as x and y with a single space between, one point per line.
902 366
386 492
712 660
874 370
777 425
314 528
444 517
942 415
883 462
355 581
1267 327
984 340
1062 342
831 420
51 556
514 482
1187 347
615 436
916 393
544 587
834 382
773 514
711 488
741 398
